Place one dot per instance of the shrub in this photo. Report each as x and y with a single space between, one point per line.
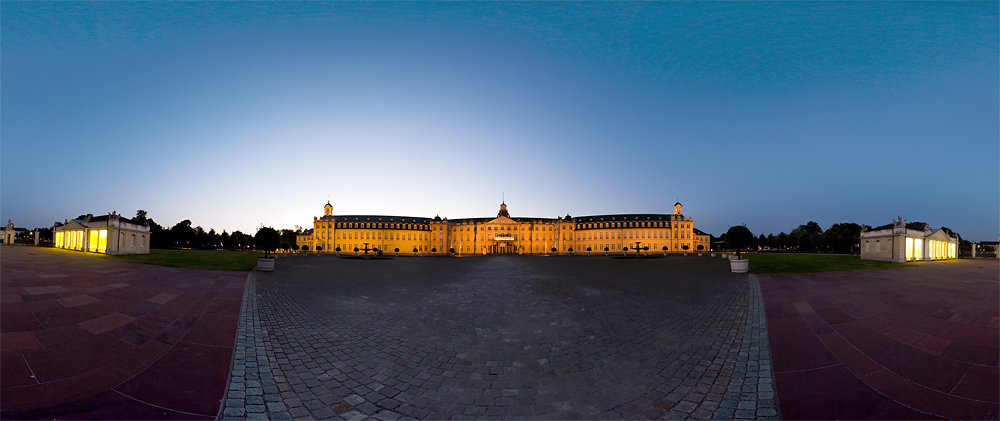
739 237
267 239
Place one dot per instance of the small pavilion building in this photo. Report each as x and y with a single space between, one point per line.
106 234
907 242
10 231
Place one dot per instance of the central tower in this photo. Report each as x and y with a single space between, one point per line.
503 210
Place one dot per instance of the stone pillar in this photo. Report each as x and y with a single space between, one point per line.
973 249
36 238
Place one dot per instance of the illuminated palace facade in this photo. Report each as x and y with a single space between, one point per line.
504 234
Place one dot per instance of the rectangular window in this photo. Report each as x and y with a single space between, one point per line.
102 245
94 239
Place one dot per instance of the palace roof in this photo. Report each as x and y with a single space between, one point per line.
625 217
382 218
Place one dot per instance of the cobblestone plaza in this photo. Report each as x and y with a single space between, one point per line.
502 337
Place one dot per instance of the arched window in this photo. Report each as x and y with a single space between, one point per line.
133 240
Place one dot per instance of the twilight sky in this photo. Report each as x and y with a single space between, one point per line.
236 114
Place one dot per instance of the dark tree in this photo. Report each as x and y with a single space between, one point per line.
739 237
159 238
808 238
288 236
225 241
213 239
284 246
200 238
267 240
319 248
305 248
843 238
700 247
140 217
183 235
295 247
782 241
761 241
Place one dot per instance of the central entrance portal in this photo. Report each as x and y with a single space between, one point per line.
502 247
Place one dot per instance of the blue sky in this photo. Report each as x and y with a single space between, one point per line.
235 115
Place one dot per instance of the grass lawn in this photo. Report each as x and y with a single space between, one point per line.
197 259
812 263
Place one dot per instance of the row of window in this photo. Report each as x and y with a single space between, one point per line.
378 235
370 225
619 247
98 240
629 234
641 224
914 249
383 247
483 237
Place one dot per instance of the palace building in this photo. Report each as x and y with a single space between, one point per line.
503 234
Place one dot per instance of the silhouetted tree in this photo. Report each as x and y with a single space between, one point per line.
267 239
183 235
843 237
807 238
288 236
739 237
783 241
140 217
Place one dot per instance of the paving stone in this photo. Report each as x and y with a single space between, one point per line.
569 354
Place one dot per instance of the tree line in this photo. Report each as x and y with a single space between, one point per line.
183 235
842 238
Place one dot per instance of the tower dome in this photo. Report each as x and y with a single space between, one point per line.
678 208
503 210
328 209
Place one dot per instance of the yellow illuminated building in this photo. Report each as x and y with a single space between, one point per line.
503 234
907 242
106 234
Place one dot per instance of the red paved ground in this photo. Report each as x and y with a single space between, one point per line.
909 343
85 336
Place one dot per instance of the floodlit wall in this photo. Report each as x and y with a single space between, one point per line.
505 235
105 237
907 246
